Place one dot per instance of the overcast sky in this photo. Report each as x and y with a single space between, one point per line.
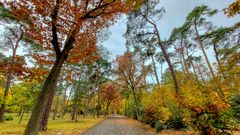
176 11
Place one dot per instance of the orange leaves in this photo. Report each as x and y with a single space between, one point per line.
233 9
88 17
18 66
110 91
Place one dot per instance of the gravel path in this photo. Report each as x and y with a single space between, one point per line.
117 125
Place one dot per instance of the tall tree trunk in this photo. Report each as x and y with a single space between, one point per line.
3 105
98 102
203 50
74 109
191 62
183 56
64 102
9 76
44 120
56 107
107 108
155 70
136 103
65 108
200 71
218 61
166 56
47 90
7 86
218 89
23 111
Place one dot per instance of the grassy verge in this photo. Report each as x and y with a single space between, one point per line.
55 127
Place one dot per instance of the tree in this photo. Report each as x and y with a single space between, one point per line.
129 75
59 26
12 38
233 9
109 93
143 22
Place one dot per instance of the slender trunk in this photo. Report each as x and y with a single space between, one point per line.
45 116
23 111
191 62
194 69
183 56
3 105
218 61
166 56
98 103
9 77
218 89
203 50
155 70
200 72
106 111
74 109
47 90
64 102
65 108
56 107
136 103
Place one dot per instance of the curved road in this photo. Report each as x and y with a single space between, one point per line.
117 125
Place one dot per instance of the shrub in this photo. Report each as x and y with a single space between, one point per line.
159 126
176 122
8 118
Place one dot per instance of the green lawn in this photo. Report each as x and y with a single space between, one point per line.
55 127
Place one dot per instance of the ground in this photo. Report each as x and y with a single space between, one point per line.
56 127
112 125
117 125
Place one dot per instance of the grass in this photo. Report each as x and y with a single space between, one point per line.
55 127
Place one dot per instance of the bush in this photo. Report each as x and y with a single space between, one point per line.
8 118
176 122
159 126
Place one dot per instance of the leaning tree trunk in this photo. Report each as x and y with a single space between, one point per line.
166 56
155 70
218 89
47 90
44 120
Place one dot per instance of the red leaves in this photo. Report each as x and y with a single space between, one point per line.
17 67
110 92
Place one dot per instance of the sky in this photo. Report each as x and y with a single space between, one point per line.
176 11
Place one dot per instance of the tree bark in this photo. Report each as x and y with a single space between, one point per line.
3 105
136 103
98 103
47 90
108 104
44 120
23 111
166 56
56 107
203 50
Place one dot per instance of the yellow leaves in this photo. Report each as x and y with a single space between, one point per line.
233 9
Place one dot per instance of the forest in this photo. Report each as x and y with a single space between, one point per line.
57 77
